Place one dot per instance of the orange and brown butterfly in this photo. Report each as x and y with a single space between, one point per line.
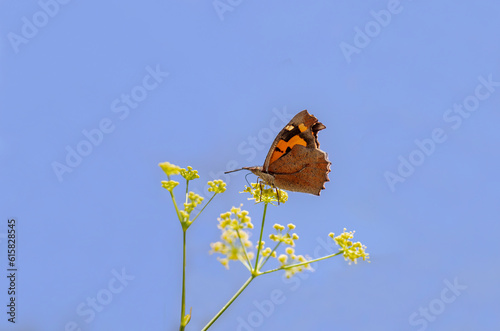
294 161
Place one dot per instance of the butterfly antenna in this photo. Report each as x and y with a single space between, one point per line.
227 172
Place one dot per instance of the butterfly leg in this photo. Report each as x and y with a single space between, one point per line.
278 195
260 198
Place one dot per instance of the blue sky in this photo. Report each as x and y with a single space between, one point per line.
95 94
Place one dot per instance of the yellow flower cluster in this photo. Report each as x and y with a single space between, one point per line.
286 238
290 258
234 238
194 200
266 195
169 184
217 186
189 173
351 251
170 169
266 251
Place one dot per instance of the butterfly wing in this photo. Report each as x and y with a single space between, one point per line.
302 130
303 169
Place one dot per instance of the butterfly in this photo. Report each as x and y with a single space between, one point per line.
294 161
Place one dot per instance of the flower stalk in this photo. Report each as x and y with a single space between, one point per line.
192 200
235 243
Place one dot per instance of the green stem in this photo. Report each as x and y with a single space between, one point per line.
187 190
269 256
213 196
175 203
302 263
183 300
260 238
242 288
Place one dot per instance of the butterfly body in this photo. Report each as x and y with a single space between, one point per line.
294 161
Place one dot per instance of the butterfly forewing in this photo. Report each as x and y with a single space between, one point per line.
301 130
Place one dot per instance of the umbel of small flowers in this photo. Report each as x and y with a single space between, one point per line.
351 251
191 202
235 243
192 199
260 193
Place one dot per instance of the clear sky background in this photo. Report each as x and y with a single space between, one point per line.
409 92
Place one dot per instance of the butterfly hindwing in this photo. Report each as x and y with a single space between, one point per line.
301 170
